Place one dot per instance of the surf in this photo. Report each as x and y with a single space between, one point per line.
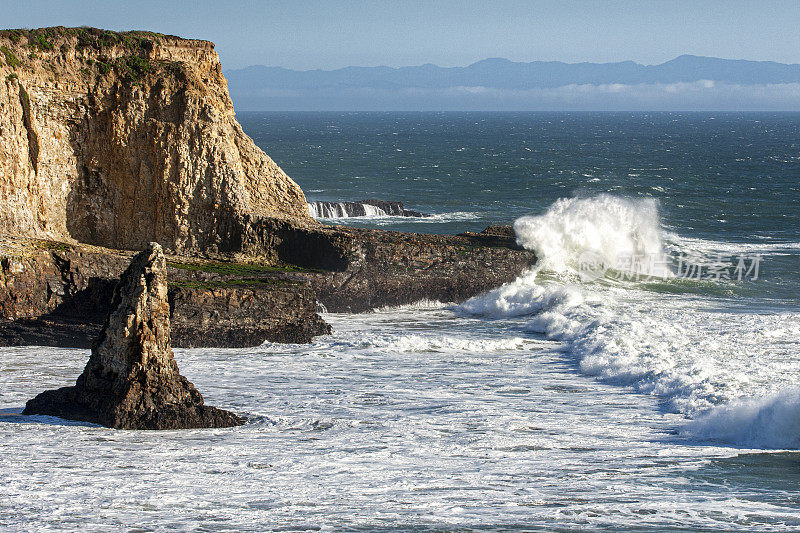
615 327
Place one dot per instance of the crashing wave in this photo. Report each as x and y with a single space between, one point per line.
769 422
364 208
612 229
626 336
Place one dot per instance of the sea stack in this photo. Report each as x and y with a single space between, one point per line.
131 380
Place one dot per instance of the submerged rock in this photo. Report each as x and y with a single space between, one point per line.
131 380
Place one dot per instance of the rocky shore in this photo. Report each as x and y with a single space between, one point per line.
58 294
114 140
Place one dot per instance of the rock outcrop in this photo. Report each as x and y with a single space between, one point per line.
119 139
131 380
113 140
385 268
395 208
243 309
58 294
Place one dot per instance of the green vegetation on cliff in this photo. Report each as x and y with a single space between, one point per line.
234 269
133 66
87 37
11 59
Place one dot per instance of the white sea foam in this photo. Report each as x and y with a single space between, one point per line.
343 210
693 246
522 297
433 218
768 422
349 432
676 347
442 343
383 219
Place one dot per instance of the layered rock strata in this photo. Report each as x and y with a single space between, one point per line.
233 312
385 268
119 139
131 380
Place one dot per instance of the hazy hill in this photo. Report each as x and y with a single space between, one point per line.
498 83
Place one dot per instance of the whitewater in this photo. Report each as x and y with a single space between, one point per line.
548 399
595 392
728 372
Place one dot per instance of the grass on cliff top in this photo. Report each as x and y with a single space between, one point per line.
42 38
132 67
233 283
235 269
11 59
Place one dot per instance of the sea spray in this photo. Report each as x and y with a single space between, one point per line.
610 227
344 210
662 345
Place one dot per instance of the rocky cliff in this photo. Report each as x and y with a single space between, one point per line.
58 294
119 139
109 141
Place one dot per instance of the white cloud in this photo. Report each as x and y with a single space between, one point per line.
697 95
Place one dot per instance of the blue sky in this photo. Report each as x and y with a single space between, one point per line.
331 34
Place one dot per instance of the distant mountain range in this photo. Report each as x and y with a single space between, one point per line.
503 84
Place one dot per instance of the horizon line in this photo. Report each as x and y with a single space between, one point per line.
504 60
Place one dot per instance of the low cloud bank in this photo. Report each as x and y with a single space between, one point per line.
701 95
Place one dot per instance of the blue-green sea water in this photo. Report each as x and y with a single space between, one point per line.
644 376
732 178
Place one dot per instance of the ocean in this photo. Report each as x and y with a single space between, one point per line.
645 375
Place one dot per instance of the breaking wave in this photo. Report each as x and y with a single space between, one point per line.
609 227
345 210
671 346
381 213
769 422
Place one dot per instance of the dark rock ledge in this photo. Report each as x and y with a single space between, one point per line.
131 380
57 294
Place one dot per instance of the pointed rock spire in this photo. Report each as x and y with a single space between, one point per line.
131 380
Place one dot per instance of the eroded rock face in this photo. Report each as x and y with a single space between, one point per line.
57 294
131 380
247 315
119 139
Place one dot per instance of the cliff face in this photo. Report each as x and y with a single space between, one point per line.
119 140
122 139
